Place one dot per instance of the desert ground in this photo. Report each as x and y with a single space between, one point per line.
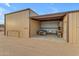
13 46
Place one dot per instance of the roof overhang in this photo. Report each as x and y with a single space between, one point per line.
48 17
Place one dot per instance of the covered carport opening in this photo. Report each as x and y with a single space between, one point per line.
51 23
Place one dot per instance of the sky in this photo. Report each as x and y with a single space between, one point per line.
40 8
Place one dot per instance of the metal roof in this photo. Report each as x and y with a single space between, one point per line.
49 17
53 16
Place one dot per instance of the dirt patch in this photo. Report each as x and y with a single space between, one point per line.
23 47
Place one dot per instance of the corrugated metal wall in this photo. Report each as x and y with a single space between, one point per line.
74 27
65 28
17 24
33 24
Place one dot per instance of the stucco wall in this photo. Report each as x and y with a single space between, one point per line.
18 22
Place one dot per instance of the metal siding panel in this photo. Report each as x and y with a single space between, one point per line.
33 25
77 27
70 29
18 22
74 28
65 28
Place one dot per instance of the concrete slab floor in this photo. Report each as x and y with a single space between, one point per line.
53 38
13 46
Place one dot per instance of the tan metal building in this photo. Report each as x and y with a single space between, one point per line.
25 23
17 23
